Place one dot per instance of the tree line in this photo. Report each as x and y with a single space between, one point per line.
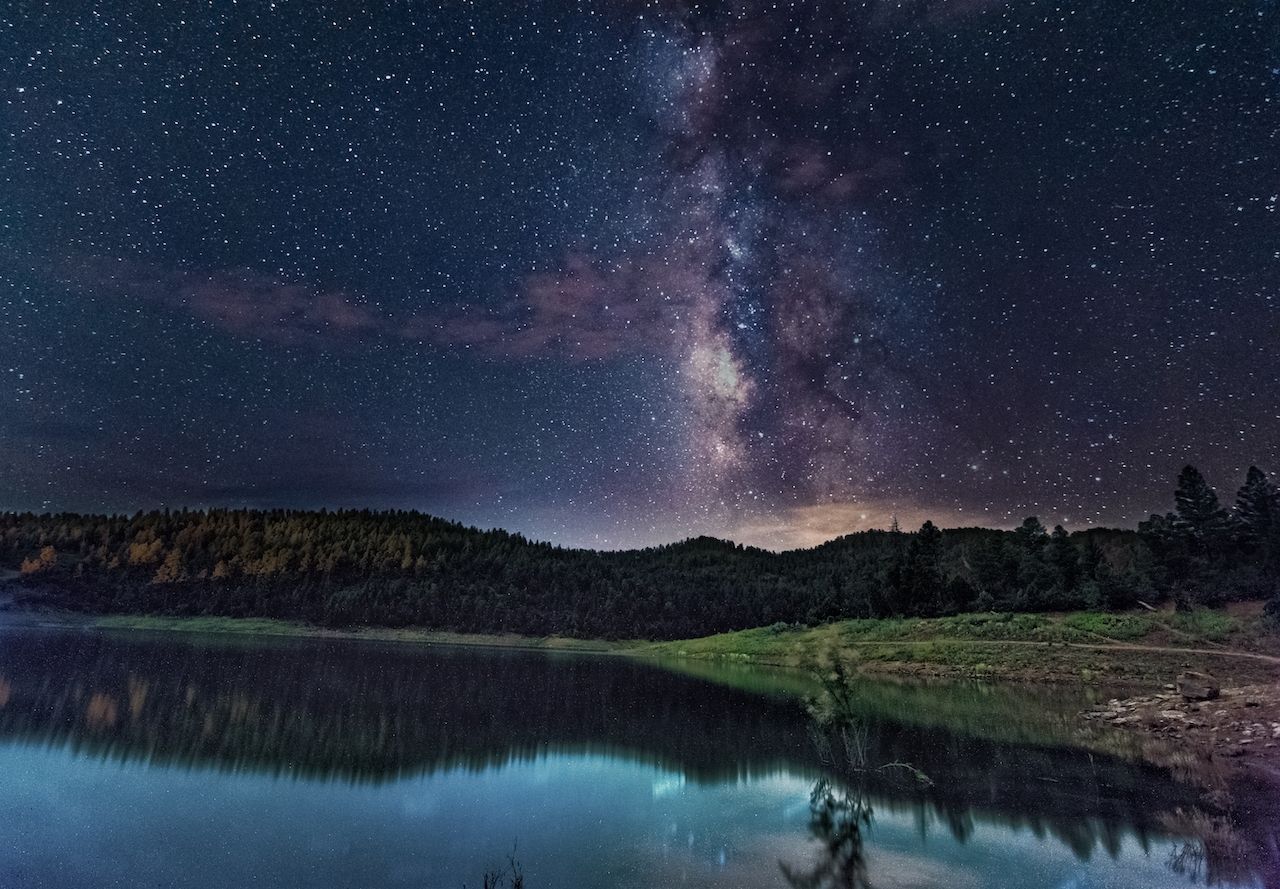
401 568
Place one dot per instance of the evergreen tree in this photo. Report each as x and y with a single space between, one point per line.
892 593
1031 533
1192 541
1257 504
1257 516
1092 568
1065 559
991 574
402 568
923 581
1198 511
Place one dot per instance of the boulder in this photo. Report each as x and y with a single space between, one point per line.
1198 686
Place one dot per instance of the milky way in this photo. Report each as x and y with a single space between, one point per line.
617 273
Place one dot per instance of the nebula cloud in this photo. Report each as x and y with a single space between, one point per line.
793 332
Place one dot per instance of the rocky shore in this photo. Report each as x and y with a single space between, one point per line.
1226 740
1236 726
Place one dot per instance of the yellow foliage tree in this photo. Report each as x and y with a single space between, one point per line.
47 559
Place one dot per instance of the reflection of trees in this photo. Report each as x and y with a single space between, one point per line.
837 818
1187 859
509 877
1235 848
839 809
362 712
377 712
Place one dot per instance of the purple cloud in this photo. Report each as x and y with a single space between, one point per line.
238 301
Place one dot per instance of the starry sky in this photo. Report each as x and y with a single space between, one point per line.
615 273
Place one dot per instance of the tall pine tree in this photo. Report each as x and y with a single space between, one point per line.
1257 503
1200 536
923 580
1198 511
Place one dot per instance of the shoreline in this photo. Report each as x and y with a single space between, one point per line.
1201 740
1091 648
1009 647
271 628
1237 731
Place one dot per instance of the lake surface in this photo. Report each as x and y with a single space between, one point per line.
160 760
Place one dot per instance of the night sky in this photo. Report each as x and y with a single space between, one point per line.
617 273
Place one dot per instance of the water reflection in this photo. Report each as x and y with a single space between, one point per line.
837 819
839 811
367 714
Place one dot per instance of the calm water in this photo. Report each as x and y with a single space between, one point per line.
129 760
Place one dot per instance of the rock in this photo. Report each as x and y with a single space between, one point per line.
1171 714
1198 686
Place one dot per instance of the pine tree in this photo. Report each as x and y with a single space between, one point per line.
1256 506
1065 559
923 579
1198 511
1031 533
1195 552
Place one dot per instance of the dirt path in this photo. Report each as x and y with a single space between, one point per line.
1091 646
1163 649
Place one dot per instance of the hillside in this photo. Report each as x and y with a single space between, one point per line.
397 569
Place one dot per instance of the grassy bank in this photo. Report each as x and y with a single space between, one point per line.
1082 646
1087 646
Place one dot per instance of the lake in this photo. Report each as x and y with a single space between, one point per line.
166 760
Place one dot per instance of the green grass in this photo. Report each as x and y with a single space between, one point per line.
1213 626
1115 627
967 645
977 645
1084 627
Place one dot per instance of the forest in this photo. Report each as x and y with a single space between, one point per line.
400 568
